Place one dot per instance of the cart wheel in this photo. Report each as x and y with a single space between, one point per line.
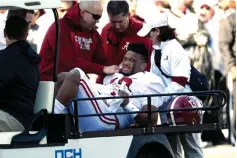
154 150
231 112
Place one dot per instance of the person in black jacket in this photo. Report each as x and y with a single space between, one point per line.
19 77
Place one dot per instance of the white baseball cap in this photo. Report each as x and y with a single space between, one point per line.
160 20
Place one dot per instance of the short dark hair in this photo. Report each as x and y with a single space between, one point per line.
16 28
115 7
20 12
139 48
166 33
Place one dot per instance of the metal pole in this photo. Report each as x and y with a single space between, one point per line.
149 119
55 68
76 132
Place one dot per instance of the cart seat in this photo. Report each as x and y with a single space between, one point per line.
44 97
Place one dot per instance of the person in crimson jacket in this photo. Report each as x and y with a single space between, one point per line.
119 33
80 43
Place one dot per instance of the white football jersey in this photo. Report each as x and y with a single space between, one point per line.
137 84
142 83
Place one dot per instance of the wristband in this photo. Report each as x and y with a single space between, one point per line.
131 108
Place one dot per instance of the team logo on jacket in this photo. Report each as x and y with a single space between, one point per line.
125 46
85 43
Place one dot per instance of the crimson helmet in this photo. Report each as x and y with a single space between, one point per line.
184 117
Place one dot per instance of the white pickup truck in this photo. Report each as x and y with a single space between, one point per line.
58 136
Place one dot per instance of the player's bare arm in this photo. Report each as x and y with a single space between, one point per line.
68 86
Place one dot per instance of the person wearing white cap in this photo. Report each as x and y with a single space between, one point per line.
173 62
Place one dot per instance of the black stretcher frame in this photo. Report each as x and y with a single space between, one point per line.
219 98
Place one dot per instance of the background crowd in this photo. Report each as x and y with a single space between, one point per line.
198 25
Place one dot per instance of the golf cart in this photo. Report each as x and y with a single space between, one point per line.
58 136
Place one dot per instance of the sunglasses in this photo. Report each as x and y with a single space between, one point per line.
95 16
109 41
206 7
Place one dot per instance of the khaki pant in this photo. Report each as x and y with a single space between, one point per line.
190 142
9 123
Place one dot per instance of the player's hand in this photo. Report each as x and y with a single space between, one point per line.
125 100
111 69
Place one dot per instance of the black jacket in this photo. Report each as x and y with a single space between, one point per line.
19 80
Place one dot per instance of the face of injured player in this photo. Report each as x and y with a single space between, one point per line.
133 63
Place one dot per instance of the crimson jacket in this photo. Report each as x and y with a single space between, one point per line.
77 48
115 45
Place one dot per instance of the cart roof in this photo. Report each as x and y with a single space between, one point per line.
29 4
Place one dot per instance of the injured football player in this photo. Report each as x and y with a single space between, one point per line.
133 80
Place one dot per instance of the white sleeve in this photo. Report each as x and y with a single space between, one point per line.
174 88
107 79
155 101
179 68
180 65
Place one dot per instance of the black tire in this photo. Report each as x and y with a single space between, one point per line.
153 150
